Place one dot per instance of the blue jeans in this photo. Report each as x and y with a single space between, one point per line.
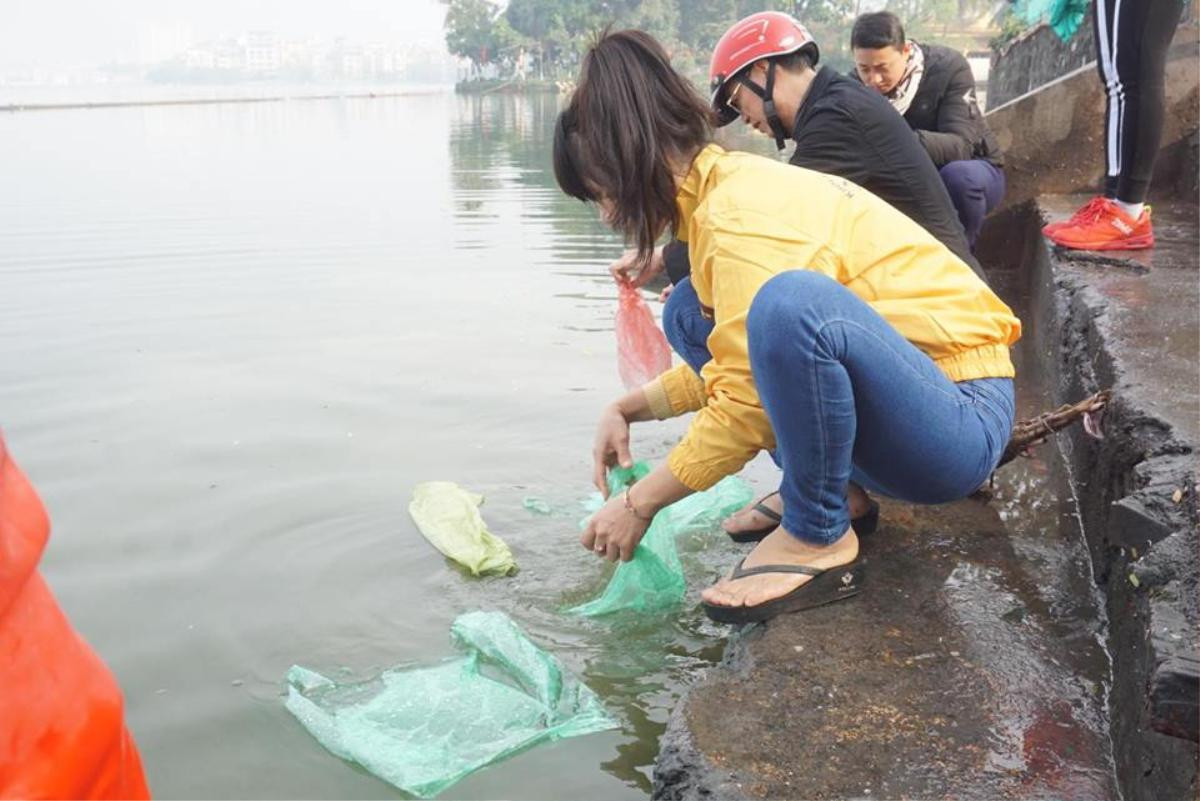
687 329
850 399
975 187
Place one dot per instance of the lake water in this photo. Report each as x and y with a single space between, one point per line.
232 340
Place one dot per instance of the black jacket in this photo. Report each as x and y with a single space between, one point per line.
848 130
945 114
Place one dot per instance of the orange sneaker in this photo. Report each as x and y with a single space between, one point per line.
1086 211
1105 227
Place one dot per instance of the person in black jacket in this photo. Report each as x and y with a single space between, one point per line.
933 88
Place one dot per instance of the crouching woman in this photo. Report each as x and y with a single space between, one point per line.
844 337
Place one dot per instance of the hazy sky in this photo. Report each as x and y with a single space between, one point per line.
55 34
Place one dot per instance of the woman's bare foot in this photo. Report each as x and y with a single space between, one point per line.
780 548
750 519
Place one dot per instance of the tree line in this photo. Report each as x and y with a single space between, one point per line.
544 38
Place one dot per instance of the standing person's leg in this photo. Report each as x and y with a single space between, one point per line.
844 390
686 327
1143 36
1132 40
1104 38
975 187
1095 208
1104 25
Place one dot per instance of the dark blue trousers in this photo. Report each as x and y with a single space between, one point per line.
976 187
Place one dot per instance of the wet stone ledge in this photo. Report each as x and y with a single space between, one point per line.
948 677
1129 322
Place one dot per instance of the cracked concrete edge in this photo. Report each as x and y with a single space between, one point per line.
682 771
1145 543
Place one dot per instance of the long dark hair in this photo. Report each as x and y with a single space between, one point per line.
630 120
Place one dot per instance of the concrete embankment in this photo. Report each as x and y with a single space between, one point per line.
1130 323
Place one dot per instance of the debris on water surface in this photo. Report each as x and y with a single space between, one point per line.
423 729
448 516
536 505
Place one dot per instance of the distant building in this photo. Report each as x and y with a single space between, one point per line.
229 55
200 58
300 56
263 53
352 63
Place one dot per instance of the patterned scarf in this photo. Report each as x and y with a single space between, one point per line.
902 96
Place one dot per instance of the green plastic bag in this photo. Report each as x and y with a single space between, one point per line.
1063 16
423 729
653 580
449 518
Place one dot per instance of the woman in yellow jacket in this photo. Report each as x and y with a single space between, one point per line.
844 336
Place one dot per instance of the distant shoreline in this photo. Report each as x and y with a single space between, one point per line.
514 86
208 101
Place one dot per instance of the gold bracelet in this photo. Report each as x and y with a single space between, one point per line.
629 507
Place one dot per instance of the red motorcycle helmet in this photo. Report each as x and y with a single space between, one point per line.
758 36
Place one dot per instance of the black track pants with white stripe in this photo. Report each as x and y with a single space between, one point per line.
1132 39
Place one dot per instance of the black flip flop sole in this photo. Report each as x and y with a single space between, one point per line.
829 587
863 525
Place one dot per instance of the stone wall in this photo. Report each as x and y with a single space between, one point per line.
1137 493
1037 57
1053 138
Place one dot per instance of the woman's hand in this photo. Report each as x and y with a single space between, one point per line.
611 447
614 531
626 268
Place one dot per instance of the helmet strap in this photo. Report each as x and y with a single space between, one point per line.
767 94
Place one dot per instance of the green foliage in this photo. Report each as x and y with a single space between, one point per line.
705 21
470 29
660 17
552 34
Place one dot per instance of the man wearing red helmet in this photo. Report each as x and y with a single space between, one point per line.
763 70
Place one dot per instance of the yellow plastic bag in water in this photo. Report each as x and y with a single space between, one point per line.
448 516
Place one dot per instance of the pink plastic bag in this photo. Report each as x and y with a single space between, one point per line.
642 350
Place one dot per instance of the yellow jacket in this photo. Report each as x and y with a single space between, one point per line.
746 218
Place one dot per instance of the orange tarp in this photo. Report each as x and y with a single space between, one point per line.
62 726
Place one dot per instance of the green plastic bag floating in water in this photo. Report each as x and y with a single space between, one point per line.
448 516
423 729
653 580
